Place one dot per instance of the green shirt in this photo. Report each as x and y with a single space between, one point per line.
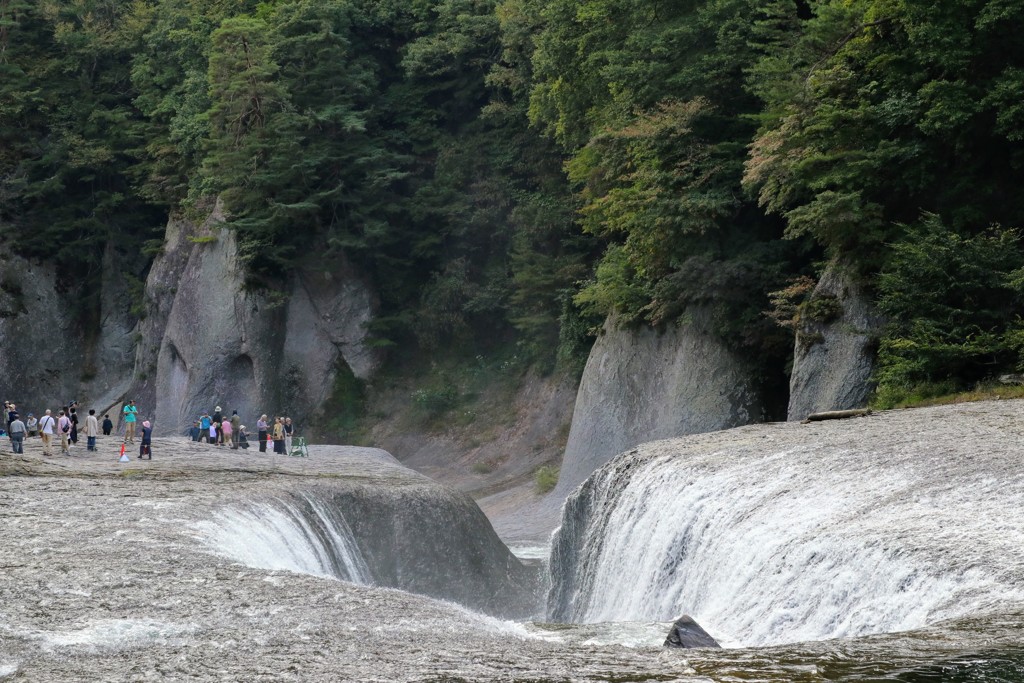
129 413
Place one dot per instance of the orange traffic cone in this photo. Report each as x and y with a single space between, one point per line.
124 457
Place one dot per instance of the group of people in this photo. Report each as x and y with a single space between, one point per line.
224 430
62 428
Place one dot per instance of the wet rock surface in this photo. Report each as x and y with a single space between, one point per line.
102 577
687 633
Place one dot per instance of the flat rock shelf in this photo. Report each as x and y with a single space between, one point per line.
104 576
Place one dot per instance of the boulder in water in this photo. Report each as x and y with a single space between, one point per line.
687 633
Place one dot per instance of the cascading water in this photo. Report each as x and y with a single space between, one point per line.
303 535
767 543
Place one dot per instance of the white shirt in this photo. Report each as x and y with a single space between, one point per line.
46 424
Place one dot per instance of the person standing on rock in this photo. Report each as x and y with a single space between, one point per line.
92 430
73 416
17 433
278 435
130 413
225 433
261 432
204 427
235 422
217 419
146 443
108 426
32 425
47 428
288 429
64 431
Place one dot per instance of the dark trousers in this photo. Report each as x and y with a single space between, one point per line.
146 449
17 442
91 443
263 442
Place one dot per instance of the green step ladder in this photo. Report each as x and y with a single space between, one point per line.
299 449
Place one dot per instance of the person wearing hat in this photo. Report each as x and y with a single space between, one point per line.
32 426
146 444
218 418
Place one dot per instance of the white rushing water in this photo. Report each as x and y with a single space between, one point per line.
785 544
303 536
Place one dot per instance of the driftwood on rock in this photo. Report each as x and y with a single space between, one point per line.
837 415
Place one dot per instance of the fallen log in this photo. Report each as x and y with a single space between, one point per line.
837 415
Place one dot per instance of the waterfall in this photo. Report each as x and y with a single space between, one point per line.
768 544
303 535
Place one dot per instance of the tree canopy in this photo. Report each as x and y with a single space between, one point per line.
513 171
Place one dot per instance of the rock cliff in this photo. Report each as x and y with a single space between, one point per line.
835 348
642 385
209 342
53 350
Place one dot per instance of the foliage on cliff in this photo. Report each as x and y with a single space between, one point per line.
510 171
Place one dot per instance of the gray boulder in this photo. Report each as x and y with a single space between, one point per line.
835 349
642 385
687 633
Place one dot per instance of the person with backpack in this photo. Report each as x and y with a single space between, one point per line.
47 428
64 431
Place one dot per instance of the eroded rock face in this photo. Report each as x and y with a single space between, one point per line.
41 347
642 385
220 345
835 349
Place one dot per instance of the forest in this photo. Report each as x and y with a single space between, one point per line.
515 171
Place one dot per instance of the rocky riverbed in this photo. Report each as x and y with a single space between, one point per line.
103 576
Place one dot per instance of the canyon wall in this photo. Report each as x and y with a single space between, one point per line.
835 348
642 385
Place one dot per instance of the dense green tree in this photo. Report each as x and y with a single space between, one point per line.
650 101
884 109
953 304
68 136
